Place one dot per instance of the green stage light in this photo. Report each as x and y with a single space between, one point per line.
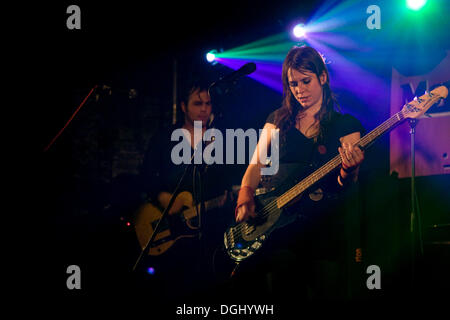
415 4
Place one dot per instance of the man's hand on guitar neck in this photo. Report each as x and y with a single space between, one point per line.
185 200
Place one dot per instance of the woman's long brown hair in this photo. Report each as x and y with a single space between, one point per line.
304 59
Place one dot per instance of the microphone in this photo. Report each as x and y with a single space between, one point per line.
223 84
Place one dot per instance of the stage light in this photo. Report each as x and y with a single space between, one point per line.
415 4
151 270
211 56
299 31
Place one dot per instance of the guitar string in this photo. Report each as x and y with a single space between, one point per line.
286 198
267 210
333 163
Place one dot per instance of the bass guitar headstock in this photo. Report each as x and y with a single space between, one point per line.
420 105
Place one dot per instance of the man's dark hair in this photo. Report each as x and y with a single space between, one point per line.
189 87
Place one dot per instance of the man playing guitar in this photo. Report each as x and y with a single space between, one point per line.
182 248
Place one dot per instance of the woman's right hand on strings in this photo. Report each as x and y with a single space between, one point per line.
245 206
245 211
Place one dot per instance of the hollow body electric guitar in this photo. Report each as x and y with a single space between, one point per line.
244 239
180 224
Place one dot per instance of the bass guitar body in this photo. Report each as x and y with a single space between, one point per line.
244 239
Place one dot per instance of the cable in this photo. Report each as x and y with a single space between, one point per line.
70 119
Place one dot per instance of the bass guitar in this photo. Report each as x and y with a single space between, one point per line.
244 239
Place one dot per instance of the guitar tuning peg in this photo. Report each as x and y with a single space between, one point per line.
428 93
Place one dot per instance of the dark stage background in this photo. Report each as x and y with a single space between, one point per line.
85 184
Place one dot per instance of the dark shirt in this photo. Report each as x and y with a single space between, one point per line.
321 221
297 153
159 173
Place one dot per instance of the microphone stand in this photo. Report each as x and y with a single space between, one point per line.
202 169
415 210
171 201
